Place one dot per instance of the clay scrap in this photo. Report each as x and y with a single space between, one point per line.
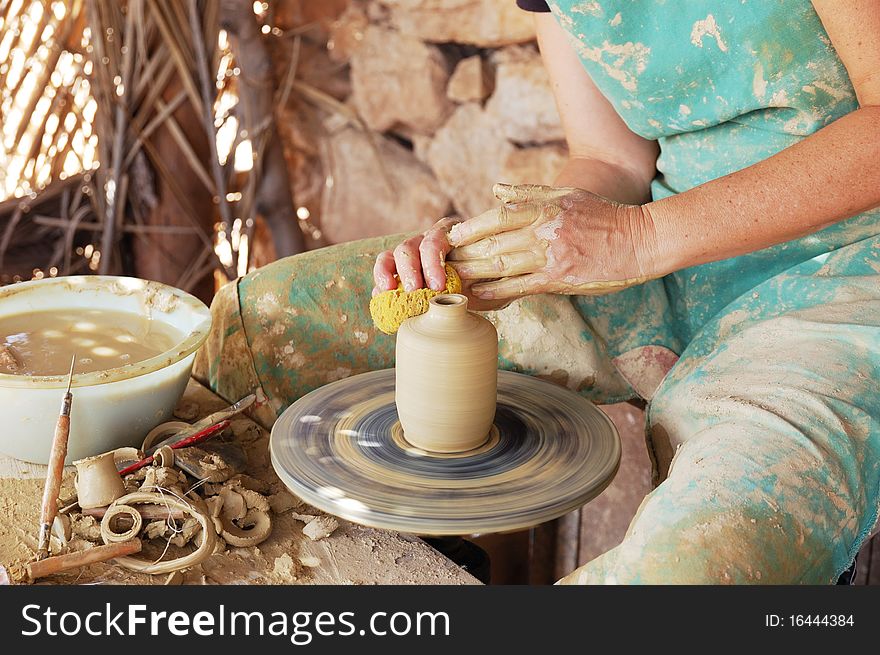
135 519
320 527
8 359
163 521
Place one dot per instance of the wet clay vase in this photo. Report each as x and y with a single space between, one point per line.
446 377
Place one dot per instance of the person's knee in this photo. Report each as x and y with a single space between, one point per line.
670 419
743 544
691 531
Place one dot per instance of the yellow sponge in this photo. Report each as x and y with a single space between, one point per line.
391 308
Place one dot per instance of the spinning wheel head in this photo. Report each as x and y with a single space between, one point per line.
341 449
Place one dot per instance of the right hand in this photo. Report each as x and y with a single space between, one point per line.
418 262
422 259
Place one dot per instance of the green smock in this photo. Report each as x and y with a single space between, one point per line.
761 371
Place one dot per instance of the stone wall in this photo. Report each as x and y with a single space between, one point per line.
436 100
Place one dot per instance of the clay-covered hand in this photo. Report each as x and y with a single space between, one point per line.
553 240
416 261
419 262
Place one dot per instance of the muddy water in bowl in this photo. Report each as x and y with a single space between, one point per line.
145 337
42 343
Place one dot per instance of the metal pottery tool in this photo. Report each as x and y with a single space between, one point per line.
208 421
198 437
49 507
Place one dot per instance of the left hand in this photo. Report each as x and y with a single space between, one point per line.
553 240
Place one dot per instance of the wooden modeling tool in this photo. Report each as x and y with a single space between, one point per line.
61 563
49 507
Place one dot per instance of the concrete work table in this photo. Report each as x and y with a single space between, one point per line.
353 554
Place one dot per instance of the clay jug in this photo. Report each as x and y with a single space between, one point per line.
97 482
446 376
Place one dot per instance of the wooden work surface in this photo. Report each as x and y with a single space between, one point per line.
351 555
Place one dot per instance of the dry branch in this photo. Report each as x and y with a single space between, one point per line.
272 195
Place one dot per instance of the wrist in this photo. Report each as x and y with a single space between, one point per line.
642 237
652 257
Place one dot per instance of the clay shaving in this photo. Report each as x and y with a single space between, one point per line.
303 547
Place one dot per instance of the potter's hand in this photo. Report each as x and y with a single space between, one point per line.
420 261
552 240
416 261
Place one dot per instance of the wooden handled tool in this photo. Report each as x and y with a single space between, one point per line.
49 507
147 512
80 558
208 421
193 439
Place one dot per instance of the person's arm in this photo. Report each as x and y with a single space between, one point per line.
828 176
605 156
571 241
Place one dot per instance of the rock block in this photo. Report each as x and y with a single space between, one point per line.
375 187
399 80
523 103
483 23
537 165
467 154
471 81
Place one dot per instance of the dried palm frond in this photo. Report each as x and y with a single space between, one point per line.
132 80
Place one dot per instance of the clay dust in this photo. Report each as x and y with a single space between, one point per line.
322 554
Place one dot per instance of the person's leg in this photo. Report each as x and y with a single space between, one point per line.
773 417
304 321
291 326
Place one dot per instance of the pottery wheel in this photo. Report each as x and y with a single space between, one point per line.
341 448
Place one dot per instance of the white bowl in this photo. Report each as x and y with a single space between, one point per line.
111 408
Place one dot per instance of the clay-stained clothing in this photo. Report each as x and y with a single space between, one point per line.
774 402
720 86
761 370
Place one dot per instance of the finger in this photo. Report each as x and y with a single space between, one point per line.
515 193
496 244
383 272
500 219
445 223
409 267
432 252
512 287
500 266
